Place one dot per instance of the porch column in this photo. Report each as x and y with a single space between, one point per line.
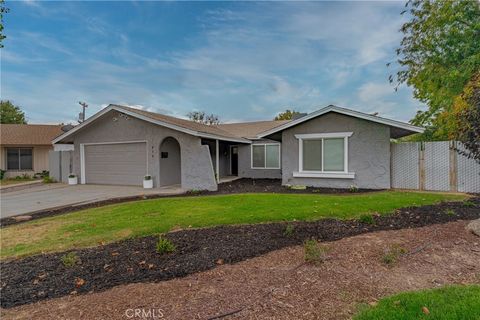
217 160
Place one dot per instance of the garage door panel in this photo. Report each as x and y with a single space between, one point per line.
122 164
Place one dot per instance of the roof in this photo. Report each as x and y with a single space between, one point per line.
242 132
398 128
28 134
250 130
182 125
187 124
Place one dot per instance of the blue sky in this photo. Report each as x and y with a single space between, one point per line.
241 60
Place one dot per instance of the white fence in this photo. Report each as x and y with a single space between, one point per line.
435 166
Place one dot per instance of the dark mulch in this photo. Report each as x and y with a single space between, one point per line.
243 185
273 186
135 260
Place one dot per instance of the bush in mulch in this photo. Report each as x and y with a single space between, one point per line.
137 260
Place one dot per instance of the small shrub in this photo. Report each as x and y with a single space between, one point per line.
165 246
314 252
71 175
392 254
147 177
353 188
469 203
70 259
2 174
194 192
450 212
367 218
289 229
48 179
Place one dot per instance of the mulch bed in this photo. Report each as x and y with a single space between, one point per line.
243 185
135 260
273 186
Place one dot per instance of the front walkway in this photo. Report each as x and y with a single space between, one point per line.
226 179
53 196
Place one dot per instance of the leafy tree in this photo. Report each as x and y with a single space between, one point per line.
287 115
439 53
3 10
9 113
467 115
202 117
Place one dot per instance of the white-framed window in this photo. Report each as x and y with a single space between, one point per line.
19 158
323 155
265 156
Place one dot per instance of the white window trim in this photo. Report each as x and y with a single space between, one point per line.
82 155
265 156
18 160
323 174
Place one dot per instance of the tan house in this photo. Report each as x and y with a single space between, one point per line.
24 147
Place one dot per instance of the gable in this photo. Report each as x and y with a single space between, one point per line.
398 128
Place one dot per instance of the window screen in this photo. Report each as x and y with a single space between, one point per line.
312 155
26 159
12 159
333 154
258 156
273 156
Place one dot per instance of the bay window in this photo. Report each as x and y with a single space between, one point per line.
324 155
265 156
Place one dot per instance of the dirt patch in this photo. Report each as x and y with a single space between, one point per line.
279 285
237 186
135 260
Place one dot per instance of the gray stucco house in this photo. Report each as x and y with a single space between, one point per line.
332 147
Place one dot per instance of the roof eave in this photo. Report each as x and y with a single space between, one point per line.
331 108
148 119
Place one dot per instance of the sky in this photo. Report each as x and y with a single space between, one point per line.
243 61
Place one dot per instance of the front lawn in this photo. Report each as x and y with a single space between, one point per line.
140 218
448 303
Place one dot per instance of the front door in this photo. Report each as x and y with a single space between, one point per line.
234 160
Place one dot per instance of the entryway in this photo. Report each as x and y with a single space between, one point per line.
170 162
234 160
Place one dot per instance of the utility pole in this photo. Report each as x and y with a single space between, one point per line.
81 115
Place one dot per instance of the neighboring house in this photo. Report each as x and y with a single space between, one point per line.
332 147
24 147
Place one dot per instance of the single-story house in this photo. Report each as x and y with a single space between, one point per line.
332 147
24 148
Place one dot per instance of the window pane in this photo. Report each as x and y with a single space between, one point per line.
312 155
12 159
273 156
26 159
333 154
258 156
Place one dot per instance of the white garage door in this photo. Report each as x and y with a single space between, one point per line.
118 164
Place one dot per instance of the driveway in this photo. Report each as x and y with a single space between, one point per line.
58 195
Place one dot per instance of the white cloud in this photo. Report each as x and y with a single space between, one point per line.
370 91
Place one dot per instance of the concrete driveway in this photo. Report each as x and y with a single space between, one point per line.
58 195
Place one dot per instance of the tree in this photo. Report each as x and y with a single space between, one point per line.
287 115
439 53
3 10
202 117
9 113
467 115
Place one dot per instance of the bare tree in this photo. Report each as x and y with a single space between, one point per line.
202 117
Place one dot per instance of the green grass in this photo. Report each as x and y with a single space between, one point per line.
114 222
13 181
447 303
